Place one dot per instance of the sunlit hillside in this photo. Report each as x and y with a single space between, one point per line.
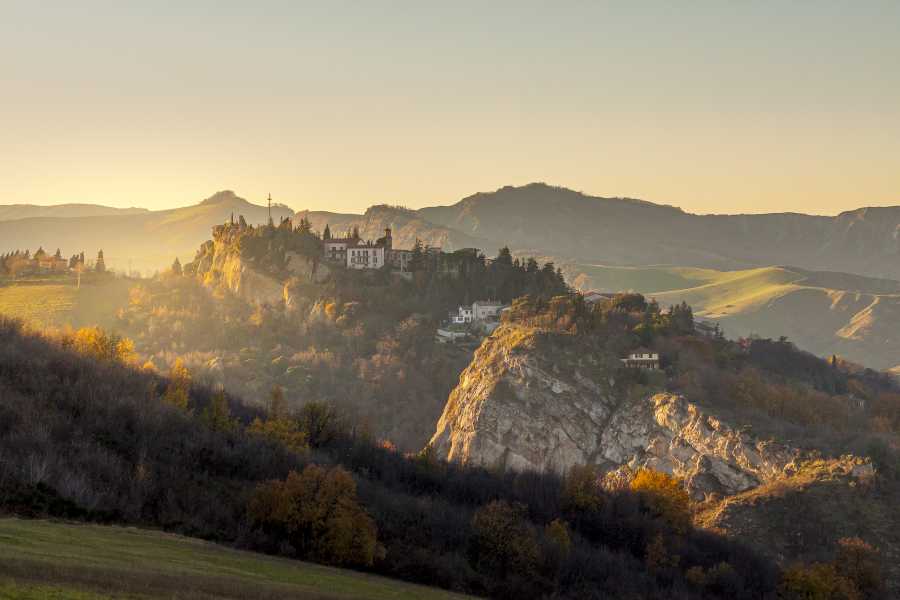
826 313
56 301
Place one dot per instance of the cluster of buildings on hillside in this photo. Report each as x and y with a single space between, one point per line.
355 253
481 310
482 316
21 263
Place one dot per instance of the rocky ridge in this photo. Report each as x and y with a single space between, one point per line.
517 406
220 263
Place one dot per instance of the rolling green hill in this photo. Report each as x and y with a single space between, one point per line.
826 313
43 559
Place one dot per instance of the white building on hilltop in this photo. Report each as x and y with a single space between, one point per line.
365 256
355 253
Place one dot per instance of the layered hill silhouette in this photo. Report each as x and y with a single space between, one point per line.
821 301
11 212
536 218
621 231
145 240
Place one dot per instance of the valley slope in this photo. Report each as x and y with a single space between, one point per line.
826 313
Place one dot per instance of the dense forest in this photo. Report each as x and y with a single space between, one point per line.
87 435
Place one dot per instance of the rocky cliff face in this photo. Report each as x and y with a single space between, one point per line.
219 262
517 406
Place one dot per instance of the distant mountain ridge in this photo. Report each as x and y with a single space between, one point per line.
11 212
146 240
570 225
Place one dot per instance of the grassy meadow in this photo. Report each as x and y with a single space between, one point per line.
44 559
55 301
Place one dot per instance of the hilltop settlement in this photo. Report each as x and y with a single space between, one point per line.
22 263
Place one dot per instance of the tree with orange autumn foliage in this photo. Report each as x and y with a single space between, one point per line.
664 496
317 511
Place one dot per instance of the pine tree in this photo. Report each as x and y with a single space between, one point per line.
504 258
417 260
176 267
218 414
326 235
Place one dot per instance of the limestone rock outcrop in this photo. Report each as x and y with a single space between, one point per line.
219 263
527 401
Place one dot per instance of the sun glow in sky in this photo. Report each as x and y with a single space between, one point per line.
711 106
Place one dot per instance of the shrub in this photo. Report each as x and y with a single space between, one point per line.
860 563
318 512
581 489
664 496
818 581
503 542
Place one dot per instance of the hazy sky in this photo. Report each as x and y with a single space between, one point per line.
712 106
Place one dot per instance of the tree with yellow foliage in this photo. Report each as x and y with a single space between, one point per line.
318 512
178 391
279 425
664 496
96 343
854 574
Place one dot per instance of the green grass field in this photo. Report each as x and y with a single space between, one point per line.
54 301
733 292
644 280
43 559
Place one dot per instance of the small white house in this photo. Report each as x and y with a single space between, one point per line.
642 359
463 315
